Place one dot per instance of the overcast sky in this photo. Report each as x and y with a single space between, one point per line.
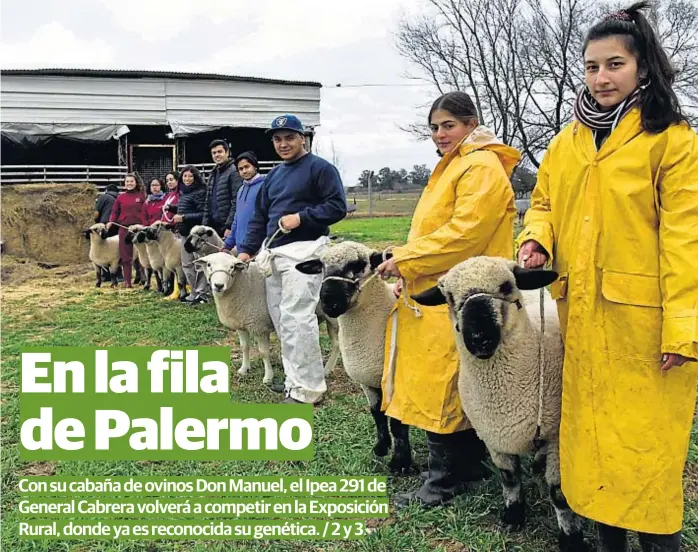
319 40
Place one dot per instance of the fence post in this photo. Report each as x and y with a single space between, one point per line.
370 194
44 174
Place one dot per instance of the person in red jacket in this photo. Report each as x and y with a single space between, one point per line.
152 208
172 196
127 210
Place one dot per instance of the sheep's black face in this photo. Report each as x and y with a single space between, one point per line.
140 237
104 233
189 244
129 238
336 296
480 328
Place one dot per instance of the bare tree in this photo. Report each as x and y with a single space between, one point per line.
521 59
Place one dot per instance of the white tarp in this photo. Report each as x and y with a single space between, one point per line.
35 133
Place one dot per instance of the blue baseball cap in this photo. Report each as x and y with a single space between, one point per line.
286 122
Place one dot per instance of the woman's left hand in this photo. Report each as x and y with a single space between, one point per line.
669 360
389 269
178 218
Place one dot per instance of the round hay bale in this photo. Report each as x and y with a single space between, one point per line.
43 221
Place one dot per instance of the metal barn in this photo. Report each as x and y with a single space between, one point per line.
75 125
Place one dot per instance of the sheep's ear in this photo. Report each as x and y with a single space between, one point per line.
533 278
336 239
431 297
377 259
86 233
209 232
201 261
314 266
169 226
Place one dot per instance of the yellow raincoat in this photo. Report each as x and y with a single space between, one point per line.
467 209
621 224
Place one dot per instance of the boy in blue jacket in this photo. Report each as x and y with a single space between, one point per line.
248 167
304 195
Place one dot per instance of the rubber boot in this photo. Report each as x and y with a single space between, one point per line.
473 454
660 543
444 481
174 296
612 539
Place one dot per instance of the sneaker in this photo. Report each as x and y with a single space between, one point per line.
200 300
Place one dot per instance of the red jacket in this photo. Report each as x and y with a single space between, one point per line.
152 210
172 198
128 208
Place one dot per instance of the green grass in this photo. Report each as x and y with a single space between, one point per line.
67 310
394 204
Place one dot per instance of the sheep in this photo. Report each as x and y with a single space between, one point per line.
203 240
239 293
362 313
146 237
499 375
104 252
141 254
171 251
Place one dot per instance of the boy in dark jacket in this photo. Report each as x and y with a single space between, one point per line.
221 190
305 196
104 203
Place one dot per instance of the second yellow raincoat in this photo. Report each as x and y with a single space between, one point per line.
621 224
466 209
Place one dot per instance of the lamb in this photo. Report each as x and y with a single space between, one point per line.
239 292
146 237
203 240
171 251
498 342
104 252
362 312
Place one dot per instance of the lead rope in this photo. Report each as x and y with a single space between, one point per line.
362 282
537 442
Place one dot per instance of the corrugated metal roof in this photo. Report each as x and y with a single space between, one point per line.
128 74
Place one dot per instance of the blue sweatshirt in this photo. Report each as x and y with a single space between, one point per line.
246 200
309 186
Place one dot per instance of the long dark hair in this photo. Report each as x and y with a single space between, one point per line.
458 104
139 181
198 179
659 105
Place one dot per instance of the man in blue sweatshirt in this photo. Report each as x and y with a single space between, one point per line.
304 195
248 167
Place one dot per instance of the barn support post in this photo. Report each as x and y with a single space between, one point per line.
124 160
181 146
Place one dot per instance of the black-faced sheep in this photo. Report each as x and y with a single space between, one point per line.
499 379
171 250
104 252
203 240
362 312
141 255
239 292
146 237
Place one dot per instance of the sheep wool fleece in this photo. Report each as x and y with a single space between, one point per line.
467 209
292 299
621 224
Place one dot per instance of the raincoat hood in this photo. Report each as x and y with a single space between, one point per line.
482 138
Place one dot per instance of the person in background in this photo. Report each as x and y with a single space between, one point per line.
190 212
104 203
172 194
615 212
128 210
248 167
152 208
221 191
304 195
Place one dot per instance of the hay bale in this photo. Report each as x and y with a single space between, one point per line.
43 221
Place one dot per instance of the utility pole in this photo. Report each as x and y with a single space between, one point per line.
370 194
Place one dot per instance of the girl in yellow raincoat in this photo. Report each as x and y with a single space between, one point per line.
467 209
615 210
